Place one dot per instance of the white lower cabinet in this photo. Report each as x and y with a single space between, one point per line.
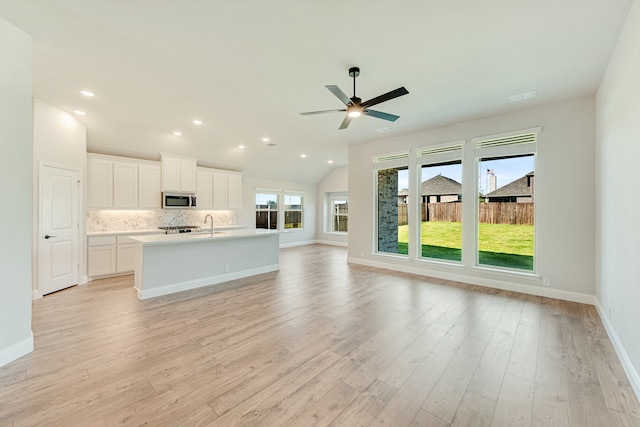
125 255
110 255
101 256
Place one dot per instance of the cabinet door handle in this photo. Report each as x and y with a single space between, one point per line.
46 236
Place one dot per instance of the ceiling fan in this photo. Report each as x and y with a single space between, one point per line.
355 106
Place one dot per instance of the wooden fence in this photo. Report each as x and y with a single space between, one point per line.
490 213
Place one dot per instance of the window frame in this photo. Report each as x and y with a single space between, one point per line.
268 210
285 210
331 198
434 155
490 147
393 160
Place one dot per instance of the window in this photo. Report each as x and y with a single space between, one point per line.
339 206
505 227
267 211
392 175
292 211
441 202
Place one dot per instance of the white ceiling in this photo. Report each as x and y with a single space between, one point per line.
248 68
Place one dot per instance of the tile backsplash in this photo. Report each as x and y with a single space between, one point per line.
120 220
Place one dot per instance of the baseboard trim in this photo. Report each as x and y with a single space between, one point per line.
16 351
632 374
332 243
294 244
481 281
36 295
206 281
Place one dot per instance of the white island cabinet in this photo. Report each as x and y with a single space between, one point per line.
165 264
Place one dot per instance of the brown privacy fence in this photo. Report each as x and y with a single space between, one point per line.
490 213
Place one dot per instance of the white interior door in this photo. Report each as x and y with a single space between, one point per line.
59 232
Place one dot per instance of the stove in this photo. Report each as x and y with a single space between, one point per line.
176 229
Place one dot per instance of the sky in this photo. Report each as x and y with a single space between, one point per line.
506 171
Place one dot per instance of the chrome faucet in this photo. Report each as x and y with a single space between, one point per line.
205 221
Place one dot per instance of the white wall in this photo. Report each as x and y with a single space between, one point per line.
59 140
618 196
336 181
564 200
15 174
247 216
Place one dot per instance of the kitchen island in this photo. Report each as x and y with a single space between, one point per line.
169 263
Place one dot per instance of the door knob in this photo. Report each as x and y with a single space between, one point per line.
46 236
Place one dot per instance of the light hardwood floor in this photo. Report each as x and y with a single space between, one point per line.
320 342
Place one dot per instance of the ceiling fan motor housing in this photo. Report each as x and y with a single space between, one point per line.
354 72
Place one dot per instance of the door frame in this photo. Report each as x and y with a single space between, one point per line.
37 268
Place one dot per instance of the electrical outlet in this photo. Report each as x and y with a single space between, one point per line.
546 281
226 268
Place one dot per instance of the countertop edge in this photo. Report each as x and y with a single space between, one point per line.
154 231
173 239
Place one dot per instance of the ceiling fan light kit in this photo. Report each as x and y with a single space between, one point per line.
355 106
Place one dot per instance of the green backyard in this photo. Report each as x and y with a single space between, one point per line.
504 245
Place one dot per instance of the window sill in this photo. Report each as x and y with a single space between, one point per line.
292 230
441 263
391 255
505 272
337 233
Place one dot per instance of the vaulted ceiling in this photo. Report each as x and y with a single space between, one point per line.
248 68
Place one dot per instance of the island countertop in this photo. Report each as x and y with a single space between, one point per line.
155 231
202 236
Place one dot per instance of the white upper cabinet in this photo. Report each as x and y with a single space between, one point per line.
170 174
100 183
219 189
188 175
149 186
204 191
234 192
125 185
178 173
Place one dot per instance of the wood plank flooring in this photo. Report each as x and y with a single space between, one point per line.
320 342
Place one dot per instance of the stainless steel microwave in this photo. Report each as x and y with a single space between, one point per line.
178 200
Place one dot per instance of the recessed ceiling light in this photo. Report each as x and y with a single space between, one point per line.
265 139
177 133
303 155
80 113
523 96
197 122
87 93
330 161
241 147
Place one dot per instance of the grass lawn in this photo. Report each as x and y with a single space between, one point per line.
504 245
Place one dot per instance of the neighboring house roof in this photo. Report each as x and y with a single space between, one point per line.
439 186
517 188
404 192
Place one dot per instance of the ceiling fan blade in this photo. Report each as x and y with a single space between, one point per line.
345 122
339 94
310 113
385 97
381 115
